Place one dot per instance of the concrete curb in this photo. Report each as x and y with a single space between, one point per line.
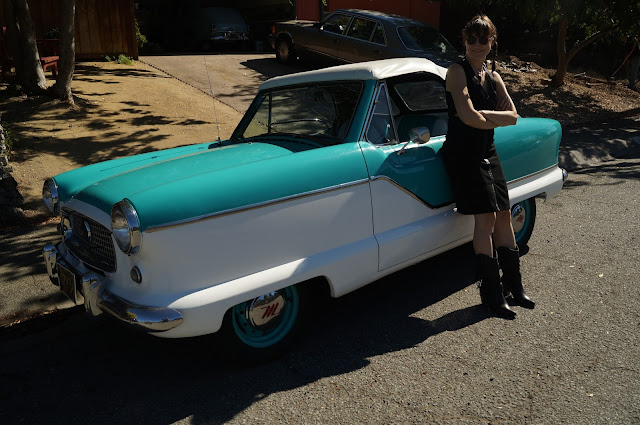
588 145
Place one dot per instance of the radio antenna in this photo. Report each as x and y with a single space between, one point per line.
215 113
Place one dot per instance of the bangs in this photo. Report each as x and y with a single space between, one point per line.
478 27
481 26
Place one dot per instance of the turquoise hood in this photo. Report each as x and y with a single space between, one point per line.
183 183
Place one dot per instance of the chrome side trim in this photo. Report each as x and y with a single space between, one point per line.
433 207
258 205
408 192
533 174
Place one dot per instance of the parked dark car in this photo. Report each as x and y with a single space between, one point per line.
220 27
350 35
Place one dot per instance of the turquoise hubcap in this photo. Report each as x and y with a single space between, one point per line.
266 320
520 219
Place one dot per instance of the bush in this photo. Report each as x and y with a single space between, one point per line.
140 38
10 140
122 59
52 33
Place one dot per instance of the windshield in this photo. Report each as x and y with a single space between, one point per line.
425 38
322 112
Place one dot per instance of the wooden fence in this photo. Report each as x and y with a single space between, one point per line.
102 27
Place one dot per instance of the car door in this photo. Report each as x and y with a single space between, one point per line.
413 209
326 39
364 41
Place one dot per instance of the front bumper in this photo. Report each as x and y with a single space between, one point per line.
98 300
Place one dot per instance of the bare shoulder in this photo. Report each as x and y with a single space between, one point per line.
455 70
496 76
456 78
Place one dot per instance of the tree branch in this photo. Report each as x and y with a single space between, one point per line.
590 40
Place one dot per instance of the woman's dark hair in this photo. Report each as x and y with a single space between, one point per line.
482 26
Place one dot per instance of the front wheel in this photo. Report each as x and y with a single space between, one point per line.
523 218
264 327
284 51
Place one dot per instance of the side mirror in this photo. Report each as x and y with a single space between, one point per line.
418 135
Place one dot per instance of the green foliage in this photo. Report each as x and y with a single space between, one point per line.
140 38
586 17
121 59
13 88
10 140
52 33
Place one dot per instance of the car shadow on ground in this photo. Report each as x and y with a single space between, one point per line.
74 370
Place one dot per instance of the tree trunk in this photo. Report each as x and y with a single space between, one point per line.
12 35
563 57
563 62
29 69
66 65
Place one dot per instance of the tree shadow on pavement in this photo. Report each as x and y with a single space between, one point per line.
593 144
88 132
108 374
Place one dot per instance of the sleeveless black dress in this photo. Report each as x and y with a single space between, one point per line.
470 155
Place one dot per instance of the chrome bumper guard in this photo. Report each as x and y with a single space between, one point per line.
98 300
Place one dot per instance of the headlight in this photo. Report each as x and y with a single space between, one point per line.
50 196
126 227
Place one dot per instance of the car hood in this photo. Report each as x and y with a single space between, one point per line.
178 184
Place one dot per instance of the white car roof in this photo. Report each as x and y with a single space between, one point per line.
373 70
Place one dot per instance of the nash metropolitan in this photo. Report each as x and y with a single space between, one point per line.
331 180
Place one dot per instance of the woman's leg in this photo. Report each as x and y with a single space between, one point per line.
509 258
483 228
503 231
487 266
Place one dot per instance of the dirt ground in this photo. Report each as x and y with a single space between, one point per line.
584 98
125 110
120 110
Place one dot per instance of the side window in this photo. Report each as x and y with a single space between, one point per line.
381 129
378 35
361 29
424 95
336 23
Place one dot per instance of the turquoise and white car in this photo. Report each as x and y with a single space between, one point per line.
330 181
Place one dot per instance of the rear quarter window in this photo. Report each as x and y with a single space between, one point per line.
426 95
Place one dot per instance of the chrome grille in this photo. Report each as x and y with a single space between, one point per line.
91 242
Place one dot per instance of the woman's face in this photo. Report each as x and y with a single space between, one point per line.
475 48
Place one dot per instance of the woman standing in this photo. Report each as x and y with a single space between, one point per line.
478 102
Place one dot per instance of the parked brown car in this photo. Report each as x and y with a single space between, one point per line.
360 35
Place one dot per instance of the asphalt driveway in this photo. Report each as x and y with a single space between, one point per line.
414 347
233 78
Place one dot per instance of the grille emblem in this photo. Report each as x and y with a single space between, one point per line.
87 229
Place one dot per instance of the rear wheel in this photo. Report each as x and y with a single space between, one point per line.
284 51
523 218
264 327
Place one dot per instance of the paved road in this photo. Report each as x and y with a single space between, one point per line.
234 78
414 347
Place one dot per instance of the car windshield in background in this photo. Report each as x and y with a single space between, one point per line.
425 38
322 112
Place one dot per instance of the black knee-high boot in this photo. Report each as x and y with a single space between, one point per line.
490 286
511 278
